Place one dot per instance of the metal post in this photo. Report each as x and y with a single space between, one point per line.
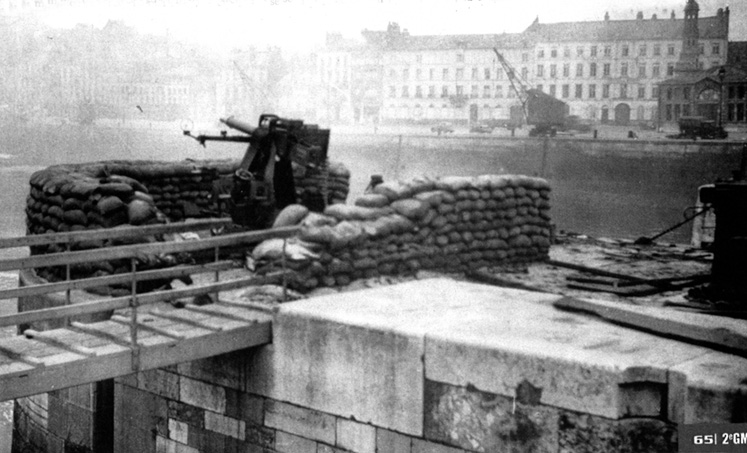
133 318
67 276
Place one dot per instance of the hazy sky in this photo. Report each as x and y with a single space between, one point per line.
301 24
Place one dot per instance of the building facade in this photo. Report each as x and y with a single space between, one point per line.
606 71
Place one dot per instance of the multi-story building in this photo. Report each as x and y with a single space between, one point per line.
606 70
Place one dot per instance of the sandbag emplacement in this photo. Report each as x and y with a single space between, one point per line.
451 224
108 194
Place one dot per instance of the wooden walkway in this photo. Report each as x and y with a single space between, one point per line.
145 331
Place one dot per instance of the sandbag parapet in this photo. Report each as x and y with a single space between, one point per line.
450 224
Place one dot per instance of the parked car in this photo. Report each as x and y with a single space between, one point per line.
481 128
443 128
576 124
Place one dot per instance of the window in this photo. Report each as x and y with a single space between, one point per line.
432 91
670 94
524 57
553 70
499 73
607 51
623 90
670 49
669 112
606 90
486 91
655 70
593 70
524 73
701 49
642 50
392 73
579 51
686 93
499 91
473 92
657 50
623 70
579 70
418 91
641 70
405 91
655 92
511 94
625 50
566 52
579 89
444 91
592 91
541 53
566 90
418 74
670 69
419 58
459 90
445 74
487 74
392 91
540 87
566 70
540 70
553 90
405 74
641 92
606 69
593 51
554 53
474 73
460 58
715 48
431 74
460 73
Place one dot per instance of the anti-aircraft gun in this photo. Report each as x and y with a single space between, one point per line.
263 184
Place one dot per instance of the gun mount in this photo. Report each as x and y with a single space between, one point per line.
263 184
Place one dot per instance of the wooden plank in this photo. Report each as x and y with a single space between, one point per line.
113 233
250 305
186 320
173 272
223 312
50 338
130 251
20 357
141 325
117 303
719 333
121 338
495 280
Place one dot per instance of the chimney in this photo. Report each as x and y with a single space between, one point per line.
639 16
672 14
607 15
654 17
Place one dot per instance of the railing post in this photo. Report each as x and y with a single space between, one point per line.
217 272
67 276
285 278
133 318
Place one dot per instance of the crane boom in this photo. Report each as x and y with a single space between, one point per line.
517 83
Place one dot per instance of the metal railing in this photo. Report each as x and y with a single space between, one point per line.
131 252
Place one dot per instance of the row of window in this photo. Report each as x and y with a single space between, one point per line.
625 51
564 91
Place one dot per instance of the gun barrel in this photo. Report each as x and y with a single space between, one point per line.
239 125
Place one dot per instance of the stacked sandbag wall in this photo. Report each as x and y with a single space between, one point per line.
109 194
450 224
314 184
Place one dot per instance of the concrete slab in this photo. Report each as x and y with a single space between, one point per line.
365 355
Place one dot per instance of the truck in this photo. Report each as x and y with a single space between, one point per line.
694 127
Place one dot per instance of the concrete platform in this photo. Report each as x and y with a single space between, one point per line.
369 356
